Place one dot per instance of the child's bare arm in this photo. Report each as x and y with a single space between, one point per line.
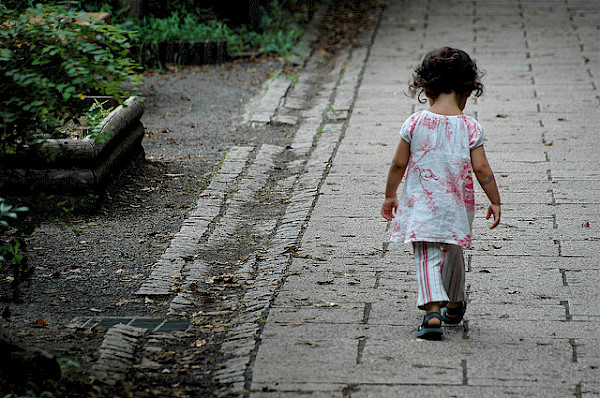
397 170
485 176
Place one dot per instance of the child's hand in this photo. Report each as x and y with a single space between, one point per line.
495 211
389 208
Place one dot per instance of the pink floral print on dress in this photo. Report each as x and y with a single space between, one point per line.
438 202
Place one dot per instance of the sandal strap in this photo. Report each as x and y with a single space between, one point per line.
456 311
431 315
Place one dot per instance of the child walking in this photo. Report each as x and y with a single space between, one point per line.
439 150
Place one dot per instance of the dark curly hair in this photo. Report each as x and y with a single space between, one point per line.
446 70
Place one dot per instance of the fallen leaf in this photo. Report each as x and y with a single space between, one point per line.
219 329
326 304
198 343
309 343
96 310
297 323
502 116
327 282
54 303
40 323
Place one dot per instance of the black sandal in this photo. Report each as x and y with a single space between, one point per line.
427 332
453 316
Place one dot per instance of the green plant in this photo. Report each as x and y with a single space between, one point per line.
8 212
50 59
281 42
65 365
13 229
65 207
292 77
95 115
9 252
214 174
278 32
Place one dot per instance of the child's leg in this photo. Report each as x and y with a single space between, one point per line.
453 273
429 259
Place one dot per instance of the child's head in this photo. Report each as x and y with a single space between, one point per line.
444 71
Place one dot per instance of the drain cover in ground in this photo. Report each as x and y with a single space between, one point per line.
153 325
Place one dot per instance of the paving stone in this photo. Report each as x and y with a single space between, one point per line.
295 390
338 351
509 366
327 312
344 310
584 248
407 390
116 352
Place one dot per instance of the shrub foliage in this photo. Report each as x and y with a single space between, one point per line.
50 59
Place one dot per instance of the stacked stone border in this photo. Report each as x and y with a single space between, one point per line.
78 164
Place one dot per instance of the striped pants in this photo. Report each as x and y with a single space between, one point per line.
440 273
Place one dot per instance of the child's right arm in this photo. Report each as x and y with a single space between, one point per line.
485 176
397 170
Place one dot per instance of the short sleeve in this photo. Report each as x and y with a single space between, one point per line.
408 128
475 133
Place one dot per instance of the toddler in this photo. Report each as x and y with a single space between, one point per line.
438 151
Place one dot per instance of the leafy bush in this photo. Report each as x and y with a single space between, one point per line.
179 27
278 31
13 228
9 252
50 59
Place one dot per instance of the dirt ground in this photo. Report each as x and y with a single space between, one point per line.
91 264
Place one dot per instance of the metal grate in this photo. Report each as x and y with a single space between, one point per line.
153 325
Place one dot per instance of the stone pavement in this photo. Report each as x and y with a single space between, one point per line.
318 303
343 317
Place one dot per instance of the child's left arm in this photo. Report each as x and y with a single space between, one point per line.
397 170
485 176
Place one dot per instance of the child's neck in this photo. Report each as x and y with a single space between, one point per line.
448 104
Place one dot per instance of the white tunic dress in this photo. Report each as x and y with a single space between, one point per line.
438 202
